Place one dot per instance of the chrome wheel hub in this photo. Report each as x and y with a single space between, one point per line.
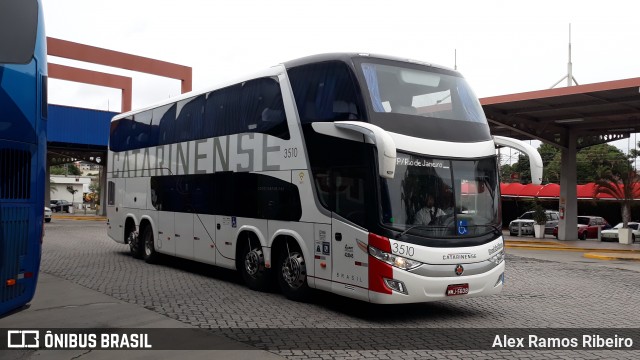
252 262
133 236
294 271
147 247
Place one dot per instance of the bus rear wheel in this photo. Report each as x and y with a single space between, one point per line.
251 266
134 244
150 255
292 273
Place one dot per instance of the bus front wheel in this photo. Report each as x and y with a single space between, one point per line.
292 273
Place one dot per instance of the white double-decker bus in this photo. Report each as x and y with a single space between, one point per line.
316 173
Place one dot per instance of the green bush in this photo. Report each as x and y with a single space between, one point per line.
539 214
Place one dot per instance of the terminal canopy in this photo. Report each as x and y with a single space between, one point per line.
596 113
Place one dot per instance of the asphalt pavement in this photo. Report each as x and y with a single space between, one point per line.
59 303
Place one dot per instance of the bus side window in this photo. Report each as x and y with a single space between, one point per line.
222 112
111 193
324 92
164 117
141 131
349 193
189 119
263 109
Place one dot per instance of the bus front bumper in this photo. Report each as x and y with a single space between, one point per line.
426 289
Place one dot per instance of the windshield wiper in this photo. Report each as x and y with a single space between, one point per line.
496 229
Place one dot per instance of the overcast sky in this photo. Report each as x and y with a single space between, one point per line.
503 47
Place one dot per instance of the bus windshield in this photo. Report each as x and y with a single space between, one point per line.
423 101
442 198
18 28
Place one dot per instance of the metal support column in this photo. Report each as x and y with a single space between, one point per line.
568 224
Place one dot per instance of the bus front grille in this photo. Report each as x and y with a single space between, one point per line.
15 174
14 237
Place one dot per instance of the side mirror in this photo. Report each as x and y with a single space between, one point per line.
535 161
380 138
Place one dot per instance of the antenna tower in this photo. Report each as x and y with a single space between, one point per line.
570 79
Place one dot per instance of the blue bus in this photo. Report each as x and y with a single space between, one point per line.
23 148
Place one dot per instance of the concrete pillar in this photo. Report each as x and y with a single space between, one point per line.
568 224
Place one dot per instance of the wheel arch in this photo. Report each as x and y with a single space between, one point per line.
145 222
254 234
280 239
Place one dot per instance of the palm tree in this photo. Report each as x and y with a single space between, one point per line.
622 183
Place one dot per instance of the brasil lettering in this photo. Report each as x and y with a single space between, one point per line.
242 152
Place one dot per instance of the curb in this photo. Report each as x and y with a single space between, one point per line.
533 242
85 218
566 248
607 256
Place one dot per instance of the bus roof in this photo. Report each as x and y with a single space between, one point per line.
345 57
348 57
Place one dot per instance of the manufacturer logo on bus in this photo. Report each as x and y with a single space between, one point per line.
459 269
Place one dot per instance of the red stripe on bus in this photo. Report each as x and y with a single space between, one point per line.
379 242
379 270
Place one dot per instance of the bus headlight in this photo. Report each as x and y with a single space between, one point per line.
498 257
395 260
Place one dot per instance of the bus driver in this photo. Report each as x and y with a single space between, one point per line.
428 214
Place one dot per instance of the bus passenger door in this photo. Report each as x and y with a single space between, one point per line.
166 242
226 228
204 238
183 237
350 261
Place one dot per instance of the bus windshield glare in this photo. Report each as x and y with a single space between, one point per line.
407 91
465 197
421 101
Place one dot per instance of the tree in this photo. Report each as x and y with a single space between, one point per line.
520 167
505 173
589 162
94 187
66 169
73 192
619 179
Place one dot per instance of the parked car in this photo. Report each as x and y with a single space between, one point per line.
525 221
60 205
612 234
588 227
47 214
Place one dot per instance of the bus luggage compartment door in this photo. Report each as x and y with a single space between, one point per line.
322 255
350 261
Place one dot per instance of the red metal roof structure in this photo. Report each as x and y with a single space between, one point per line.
95 55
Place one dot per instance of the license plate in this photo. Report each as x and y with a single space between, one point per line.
458 289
